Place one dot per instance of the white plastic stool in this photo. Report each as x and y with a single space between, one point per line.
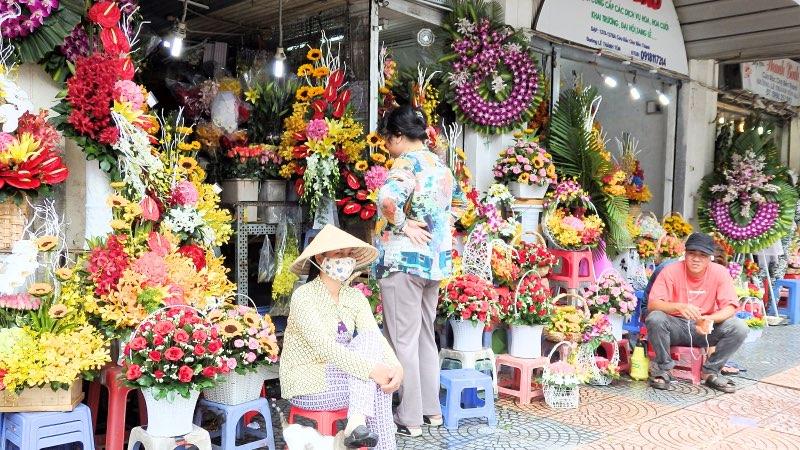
470 360
139 438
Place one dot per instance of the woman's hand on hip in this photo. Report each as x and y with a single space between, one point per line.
416 232
396 379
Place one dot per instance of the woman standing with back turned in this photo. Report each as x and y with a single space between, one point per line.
415 254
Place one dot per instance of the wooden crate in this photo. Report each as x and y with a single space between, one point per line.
42 399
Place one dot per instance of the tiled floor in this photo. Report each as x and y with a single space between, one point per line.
763 414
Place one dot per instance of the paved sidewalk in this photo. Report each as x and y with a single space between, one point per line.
763 414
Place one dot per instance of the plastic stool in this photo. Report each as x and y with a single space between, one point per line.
325 420
230 430
525 391
624 365
576 268
634 324
117 406
33 431
792 310
688 362
481 360
455 382
140 438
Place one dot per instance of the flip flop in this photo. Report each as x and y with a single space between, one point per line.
660 382
720 383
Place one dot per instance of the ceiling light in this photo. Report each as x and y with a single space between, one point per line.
760 130
634 91
176 44
741 126
609 80
278 69
721 120
662 98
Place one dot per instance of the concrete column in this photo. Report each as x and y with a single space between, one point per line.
794 144
696 132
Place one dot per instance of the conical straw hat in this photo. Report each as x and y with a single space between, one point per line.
330 239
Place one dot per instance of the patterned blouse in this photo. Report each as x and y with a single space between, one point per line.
422 179
310 340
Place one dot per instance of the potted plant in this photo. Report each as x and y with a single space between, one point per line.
470 302
528 313
173 355
526 168
248 345
241 170
614 296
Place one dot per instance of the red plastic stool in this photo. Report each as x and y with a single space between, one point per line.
325 420
117 405
576 268
523 377
688 362
249 416
624 353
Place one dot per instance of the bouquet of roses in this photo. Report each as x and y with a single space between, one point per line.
256 161
611 294
534 255
669 247
175 351
530 305
525 163
469 297
248 338
560 374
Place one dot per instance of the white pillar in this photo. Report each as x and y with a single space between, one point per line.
794 144
696 134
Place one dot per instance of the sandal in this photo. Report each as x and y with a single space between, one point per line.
720 383
660 382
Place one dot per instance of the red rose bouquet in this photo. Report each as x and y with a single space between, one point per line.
248 338
530 305
534 255
174 351
469 297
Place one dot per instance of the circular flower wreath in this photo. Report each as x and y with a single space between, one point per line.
494 83
748 204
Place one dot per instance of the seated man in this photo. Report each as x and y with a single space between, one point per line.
693 303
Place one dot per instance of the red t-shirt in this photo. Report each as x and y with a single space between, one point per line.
710 292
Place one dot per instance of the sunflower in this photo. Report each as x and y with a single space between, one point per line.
321 71
215 315
314 54
524 178
230 328
57 311
537 162
64 273
362 166
117 184
374 139
46 243
187 163
551 171
379 158
251 319
302 94
40 289
270 346
116 201
315 91
305 70
118 224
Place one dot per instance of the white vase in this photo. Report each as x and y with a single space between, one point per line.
616 325
467 335
241 190
535 191
170 416
98 212
235 389
525 341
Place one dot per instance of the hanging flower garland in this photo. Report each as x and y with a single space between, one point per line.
748 202
494 82
36 27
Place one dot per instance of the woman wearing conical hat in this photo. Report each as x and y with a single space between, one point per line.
323 367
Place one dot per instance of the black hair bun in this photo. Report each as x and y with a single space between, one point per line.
406 121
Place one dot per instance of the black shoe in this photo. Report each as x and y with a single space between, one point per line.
361 437
403 430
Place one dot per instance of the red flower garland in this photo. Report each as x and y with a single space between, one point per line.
90 95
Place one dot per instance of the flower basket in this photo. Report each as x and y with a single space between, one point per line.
13 219
755 333
235 389
467 335
581 316
42 399
528 191
586 362
550 234
170 416
559 396
532 308
668 247
616 325
675 224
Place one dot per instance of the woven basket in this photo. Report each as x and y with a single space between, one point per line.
649 225
546 231
585 360
754 334
557 336
235 389
13 219
559 397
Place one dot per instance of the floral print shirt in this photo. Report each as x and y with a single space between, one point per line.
420 187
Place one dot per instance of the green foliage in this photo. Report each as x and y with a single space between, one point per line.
577 154
34 47
272 106
95 151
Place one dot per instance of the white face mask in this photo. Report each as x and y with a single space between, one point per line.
340 269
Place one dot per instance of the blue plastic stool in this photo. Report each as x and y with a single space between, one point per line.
457 380
634 324
34 431
231 416
792 310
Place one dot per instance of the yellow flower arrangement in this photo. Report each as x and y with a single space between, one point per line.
675 225
571 232
646 248
305 70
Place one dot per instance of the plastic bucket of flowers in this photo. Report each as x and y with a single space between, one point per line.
470 302
173 355
614 296
530 311
560 384
248 346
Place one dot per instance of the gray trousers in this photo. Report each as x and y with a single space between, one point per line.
664 331
409 311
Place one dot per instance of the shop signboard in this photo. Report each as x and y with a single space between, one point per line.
777 80
646 31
